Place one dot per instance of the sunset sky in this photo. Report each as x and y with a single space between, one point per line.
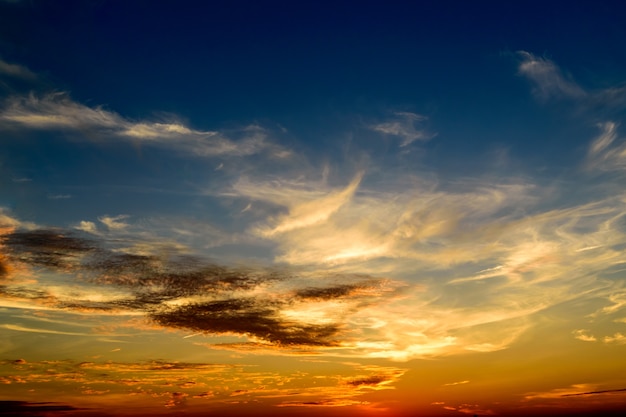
250 208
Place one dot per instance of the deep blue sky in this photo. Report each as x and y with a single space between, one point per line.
318 73
292 63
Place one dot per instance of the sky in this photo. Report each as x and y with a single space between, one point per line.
242 208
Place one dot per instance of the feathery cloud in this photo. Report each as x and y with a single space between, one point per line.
607 152
548 80
15 70
57 111
403 127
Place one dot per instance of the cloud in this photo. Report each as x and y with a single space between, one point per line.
59 196
338 291
8 221
57 111
322 403
457 383
87 226
312 212
474 409
202 385
19 328
184 292
370 381
250 317
473 260
403 127
114 223
584 336
618 303
617 338
490 245
605 152
473 248
548 80
346 226
15 70
576 390
608 391
28 408
46 247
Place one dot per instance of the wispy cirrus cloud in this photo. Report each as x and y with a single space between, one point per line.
111 222
548 79
306 208
607 151
582 334
58 112
550 82
403 126
576 390
16 70
18 328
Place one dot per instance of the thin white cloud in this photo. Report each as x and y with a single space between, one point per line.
559 393
59 112
618 304
46 320
403 126
617 338
87 226
456 383
15 70
10 222
548 80
605 139
19 328
112 223
313 212
607 152
583 335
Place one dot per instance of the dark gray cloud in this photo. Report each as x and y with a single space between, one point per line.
32 409
3 269
370 380
19 291
608 391
248 316
337 291
46 247
226 300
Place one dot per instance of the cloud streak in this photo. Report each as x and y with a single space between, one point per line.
16 70
548 79
58 112
404 128
607 151
549 82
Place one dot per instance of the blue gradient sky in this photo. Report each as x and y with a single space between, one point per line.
275 207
